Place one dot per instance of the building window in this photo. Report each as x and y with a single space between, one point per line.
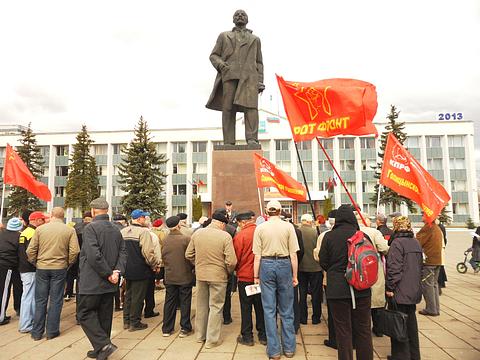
61 171
179 147
346 143
412 142
456 163
459 208
199 168
368 186
347 165
199 146
180 189
99 149
102 190
459 185
175 168
434 164
59 191
367 164
282 145
161 148
118 148
324 165
351 186
304 145
456 141
62 150
367 143
284 165
327 144
433 141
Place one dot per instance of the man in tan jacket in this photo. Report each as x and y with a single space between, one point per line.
211 250
53 248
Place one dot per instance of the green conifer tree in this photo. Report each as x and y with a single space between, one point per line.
388 196
20 199
82 181
196 207
140 174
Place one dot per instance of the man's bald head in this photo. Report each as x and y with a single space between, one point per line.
58 212
240 18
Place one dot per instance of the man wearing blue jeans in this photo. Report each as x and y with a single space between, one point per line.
275 247
53 248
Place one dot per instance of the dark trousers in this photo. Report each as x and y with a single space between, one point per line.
409 349
72 274
5 284
150 296
296 309
95 313
331 326
246 304
134 298
356 322
17 290
312 281
172 293
227 307
49 284
229 115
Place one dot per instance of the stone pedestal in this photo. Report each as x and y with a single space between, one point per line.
233 178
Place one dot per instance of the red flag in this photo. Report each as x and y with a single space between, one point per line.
16 173
402 173
268 175
329 107
200 182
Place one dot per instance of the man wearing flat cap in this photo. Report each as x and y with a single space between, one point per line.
382 226
103 259
178 279
212 252
243 242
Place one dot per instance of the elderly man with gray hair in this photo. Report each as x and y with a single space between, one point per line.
382 226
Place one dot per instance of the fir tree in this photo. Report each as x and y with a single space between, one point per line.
444 216
388 196
470 224
20 199
82 181
141 177
196 207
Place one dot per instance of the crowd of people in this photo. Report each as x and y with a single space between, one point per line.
275 265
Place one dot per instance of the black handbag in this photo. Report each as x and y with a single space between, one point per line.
393 322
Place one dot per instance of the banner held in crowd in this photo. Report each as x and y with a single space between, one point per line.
329 107
268 174
17 173
402 173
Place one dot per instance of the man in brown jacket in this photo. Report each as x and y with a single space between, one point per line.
211 250
53 248
178 279
430 238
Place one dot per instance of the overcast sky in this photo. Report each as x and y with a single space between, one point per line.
105 63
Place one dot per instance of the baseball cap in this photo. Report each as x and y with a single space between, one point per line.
157 223
14 224
36 215
306 217
274 204
137 213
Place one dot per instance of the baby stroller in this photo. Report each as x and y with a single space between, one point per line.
462 266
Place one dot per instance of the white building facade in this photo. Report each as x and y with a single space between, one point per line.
445 149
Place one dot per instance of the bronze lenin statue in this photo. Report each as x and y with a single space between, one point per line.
237 56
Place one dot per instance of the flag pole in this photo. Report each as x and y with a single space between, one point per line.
378 198
3 198
306 187
260 201
341 180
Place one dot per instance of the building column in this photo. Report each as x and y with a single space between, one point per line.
336 162
447 184
168 182
294 165
315 177
471 179
51 175
189 196
358 173
109 182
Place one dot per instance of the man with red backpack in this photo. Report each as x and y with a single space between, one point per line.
350 317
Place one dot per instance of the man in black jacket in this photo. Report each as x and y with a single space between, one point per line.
102 260
334 259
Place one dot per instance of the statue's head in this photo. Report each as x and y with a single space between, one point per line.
240 18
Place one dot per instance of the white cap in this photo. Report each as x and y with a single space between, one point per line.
307 217
274 204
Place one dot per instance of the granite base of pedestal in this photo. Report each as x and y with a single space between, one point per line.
233 178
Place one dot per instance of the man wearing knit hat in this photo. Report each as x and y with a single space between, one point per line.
178 279
27 272
211 250
8 263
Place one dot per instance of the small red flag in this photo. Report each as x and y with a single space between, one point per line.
402 173
268 175
329 107
17 173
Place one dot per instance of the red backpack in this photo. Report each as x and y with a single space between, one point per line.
362 266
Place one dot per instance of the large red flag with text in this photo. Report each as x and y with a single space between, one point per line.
329 107
17 173
268 175
402 173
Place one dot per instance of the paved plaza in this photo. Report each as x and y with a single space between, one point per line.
455 334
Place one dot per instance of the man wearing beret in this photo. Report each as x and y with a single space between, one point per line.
102 260
243 242
141 262
178 279
212 252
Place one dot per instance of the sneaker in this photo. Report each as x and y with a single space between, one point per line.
67 298
243 341
138 326
166 334
185 333
289 354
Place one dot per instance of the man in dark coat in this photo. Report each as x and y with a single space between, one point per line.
348 321
102 259
237 56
